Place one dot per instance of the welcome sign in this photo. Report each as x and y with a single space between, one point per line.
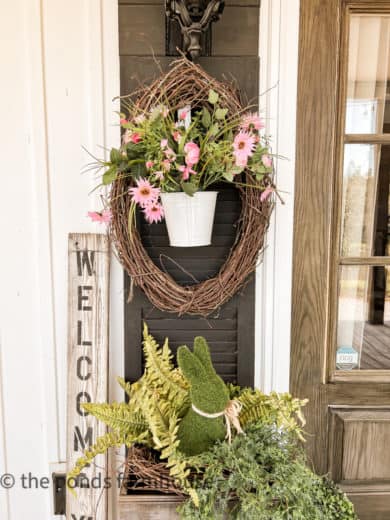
88 301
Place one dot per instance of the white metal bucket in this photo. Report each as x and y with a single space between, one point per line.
189 219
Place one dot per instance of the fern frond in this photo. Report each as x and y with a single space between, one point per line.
127 387
102 444
280 409
119 416
164 425
161 375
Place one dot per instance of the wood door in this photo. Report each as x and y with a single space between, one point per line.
147 44
341 290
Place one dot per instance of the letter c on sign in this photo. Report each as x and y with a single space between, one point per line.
80 375
82 397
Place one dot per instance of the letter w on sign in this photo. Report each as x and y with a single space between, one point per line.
88 300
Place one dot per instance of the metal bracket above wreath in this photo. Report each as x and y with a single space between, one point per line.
194 18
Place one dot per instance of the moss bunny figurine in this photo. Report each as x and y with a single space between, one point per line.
209 395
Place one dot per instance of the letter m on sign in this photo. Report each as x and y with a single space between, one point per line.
88 298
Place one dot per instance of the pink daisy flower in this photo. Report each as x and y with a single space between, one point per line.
123 121
243 145
252 121
163 143
149 164
144 193
154 212
103 217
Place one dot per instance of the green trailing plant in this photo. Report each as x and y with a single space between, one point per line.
262 475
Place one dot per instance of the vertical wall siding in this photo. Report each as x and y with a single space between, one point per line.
279 27
59 74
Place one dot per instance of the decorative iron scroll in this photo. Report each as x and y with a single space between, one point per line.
194 18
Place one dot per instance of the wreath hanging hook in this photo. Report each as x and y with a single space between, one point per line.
194 18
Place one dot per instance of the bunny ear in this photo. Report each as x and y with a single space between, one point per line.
202 352
189 364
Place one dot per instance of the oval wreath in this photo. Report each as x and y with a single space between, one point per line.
188 84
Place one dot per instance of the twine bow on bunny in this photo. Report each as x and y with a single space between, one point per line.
230 413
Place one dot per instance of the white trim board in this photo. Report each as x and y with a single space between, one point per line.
278 50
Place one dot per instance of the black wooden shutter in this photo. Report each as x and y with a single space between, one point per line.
230 329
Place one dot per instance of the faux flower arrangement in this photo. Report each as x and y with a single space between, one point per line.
167 150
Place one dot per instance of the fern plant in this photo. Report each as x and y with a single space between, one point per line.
159 400
151 416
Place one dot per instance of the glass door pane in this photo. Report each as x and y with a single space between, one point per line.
368 85
366 201
363 333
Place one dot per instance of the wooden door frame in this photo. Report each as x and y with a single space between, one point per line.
316 136
316 193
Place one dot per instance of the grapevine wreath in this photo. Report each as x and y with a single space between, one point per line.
188 84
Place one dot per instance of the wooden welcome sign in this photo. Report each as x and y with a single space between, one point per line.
88 300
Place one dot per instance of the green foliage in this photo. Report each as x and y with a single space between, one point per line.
102 444
206 118
208 393
221 113
280 409
125 418
265 472
213 97
152 415
189 188
158 415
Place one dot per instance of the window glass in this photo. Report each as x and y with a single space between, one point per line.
366 202
363 333
368 85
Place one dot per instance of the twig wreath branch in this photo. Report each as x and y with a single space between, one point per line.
188 84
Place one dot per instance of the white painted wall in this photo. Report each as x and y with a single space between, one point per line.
59 73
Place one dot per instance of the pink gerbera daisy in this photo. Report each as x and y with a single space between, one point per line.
252 121
144 193
154 212
103 217
243 145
